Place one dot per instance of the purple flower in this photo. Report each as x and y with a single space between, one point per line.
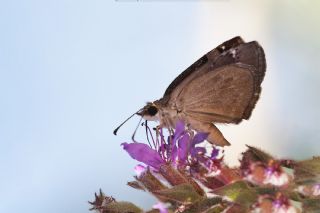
161 207
214 153
178 149
316 190
187 144
197 151
172 149
179 130
143 153
139 169
183 148
199 137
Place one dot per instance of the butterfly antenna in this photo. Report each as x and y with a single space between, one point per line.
116 130
134 133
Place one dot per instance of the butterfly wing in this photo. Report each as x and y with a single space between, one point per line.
201 64
248 57
221 87
222 96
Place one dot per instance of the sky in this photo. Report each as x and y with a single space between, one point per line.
72 71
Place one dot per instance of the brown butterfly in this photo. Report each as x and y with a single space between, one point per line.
223 86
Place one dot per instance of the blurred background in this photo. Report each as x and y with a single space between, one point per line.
71 71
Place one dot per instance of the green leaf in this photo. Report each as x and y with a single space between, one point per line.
206 205
311 205
136 185
177 177
307 171
183 193
265 190
122 207
150 182
157 211
257 154
237 208
172 175
238 192
294 195
290 192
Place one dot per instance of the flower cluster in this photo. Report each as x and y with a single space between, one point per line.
187 176
180 150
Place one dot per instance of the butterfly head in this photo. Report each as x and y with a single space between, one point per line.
150 112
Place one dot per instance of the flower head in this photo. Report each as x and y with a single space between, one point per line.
277 204
263 174
181 149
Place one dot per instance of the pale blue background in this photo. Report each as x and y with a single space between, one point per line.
71 71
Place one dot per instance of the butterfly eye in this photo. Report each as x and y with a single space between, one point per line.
152 110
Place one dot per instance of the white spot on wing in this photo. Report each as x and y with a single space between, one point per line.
233 53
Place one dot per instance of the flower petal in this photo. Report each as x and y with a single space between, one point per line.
214 153
161 207
197 151
180 127
143 153
183 144
139 169
199 137
173 153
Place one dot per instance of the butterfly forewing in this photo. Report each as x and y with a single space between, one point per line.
234 51
221 96
199 65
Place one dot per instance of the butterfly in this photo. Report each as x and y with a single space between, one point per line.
223 86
